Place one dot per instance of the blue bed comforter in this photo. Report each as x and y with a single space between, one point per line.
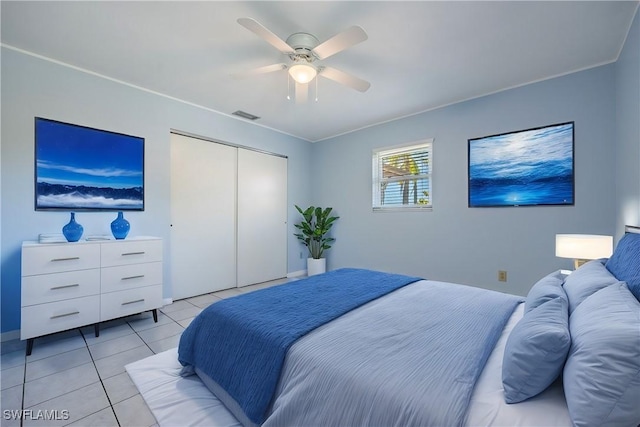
411 358
241 342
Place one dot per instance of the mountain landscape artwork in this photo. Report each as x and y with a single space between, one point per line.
81 168
526 168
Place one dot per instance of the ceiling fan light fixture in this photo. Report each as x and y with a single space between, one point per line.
303 73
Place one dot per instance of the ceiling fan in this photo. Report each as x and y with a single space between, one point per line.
303 50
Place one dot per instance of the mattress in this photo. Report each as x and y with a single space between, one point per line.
186 401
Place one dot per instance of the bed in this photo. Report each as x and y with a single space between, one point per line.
422 352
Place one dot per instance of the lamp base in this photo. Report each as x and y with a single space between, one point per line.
578 262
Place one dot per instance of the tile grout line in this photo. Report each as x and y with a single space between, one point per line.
111 405
24 386
101 383
150 349
54 397
93 361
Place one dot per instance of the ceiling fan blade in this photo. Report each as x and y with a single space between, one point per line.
260 70
302 92
261 31
345 79
340 42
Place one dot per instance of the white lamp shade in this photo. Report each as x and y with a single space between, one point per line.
302 73
583 246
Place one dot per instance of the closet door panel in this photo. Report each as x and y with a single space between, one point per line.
203 216
262 217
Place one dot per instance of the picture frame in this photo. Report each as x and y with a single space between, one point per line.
531 167
79 168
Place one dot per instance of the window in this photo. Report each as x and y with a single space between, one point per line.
402 177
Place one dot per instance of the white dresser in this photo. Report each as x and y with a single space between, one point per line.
68 285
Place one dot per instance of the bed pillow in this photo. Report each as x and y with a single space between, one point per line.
602 373
536 350
545 289
589 278
625 262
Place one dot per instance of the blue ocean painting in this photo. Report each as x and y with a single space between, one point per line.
83 168
526 168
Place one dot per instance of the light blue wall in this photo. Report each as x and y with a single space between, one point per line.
451 243
627 161
35 87
456 243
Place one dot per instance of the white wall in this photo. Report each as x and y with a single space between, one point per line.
454 242
35 87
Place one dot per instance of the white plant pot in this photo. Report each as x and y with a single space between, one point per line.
316 266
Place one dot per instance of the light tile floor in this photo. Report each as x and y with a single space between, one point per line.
73 378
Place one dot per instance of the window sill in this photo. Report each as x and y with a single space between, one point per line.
403 209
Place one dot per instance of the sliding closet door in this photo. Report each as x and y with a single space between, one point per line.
262 217
203 216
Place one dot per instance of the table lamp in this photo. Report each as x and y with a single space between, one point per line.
583 247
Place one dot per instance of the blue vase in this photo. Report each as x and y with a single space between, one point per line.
120 227
72 231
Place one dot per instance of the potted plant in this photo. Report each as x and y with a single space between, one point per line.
314 231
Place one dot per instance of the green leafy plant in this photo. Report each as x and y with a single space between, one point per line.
315 228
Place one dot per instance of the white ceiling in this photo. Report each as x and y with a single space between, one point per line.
419 55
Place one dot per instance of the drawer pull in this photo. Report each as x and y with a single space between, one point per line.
133 302
133 253
65 259
64 315
55 288
139 276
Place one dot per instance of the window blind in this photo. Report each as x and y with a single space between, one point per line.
402 177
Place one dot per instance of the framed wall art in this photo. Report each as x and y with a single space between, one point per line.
79 168
532 167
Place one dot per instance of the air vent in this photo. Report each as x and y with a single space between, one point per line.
245 115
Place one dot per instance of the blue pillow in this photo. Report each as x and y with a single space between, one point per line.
625 262
602 373
545 289
536 351
586 280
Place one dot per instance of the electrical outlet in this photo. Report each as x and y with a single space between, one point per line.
301 255
502 275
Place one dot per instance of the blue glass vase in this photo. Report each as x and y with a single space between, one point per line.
72 231
120 227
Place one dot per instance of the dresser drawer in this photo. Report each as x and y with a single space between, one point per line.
124 303
45 259
131 252
57 316
60 286
125 277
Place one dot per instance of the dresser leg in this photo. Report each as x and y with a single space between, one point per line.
96 329
155 315
29 346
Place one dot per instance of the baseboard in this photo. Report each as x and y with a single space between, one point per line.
298 273
167 301
11 335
